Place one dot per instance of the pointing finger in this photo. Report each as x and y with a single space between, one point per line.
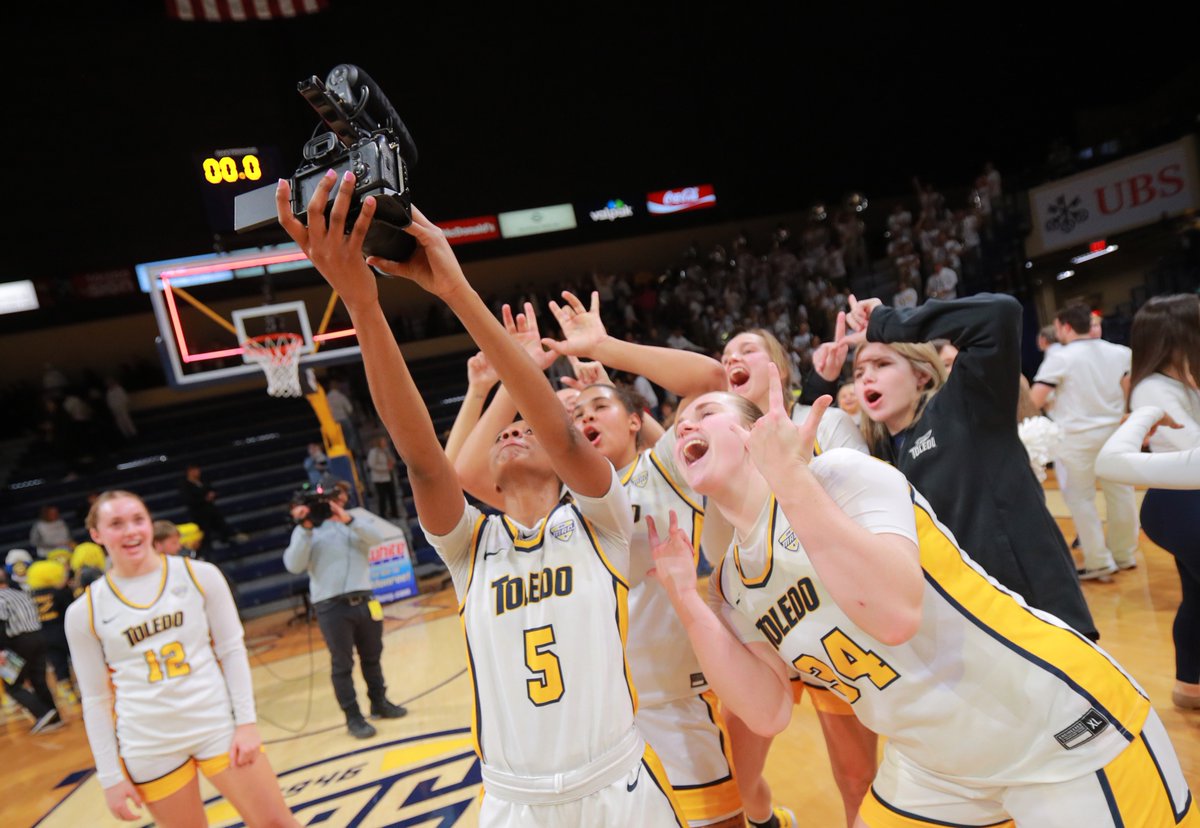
775 390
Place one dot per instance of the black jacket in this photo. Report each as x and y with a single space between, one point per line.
964 455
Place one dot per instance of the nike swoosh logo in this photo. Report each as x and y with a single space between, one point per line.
636 779
108 620
490 554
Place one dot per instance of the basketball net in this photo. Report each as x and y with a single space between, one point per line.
278 354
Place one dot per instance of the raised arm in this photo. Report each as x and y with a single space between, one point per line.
986 329
339 258
1122 459
474 473
480 381
434 267
683 373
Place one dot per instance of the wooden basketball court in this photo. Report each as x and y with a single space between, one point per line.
421 770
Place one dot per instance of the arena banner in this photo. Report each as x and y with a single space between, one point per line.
465 231
392 575
549 219
696 197
1124 195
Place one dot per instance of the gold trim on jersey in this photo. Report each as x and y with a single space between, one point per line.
712 800
658 774
720 576
671 482
188 564
632 468
91 611
476 711
476 537
162 585
875 812
1060 651
621 593
760 581
530 544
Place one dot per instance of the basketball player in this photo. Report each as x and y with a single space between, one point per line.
743 370
161 665
543 587
992 710
677 712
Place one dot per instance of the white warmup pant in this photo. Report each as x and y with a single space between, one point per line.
1075 470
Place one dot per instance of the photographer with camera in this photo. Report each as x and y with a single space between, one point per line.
334 550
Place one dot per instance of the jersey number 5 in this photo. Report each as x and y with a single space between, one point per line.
172 658
547 685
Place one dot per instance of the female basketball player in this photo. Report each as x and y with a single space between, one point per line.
743 369
991 710
676 711
543 587
165 632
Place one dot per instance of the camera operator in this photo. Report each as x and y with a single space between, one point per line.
334 550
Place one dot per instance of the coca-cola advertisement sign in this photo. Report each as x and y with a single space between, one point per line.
677 201
464 231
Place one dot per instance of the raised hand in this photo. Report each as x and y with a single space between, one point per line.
581 326
524 329
432 264
480 372
830 357
674 561
860 312
776 444
586 373
337 256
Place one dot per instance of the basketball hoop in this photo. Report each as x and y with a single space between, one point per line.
278 354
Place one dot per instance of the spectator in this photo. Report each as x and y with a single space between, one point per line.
201 501
167 539
943 284
1090 381
117 399
336 555
381 467
49 532
48 584
315 464
16 564
21 634
342 410
906 296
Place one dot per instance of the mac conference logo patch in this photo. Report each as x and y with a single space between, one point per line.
563 531
789 541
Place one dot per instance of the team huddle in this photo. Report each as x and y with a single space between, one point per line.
611 688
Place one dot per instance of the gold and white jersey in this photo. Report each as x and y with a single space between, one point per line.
168 684
988 688
545 611
665 668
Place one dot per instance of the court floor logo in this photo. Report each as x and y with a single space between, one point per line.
430 781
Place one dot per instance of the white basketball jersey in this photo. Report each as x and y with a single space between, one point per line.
988 688
837 429
545 615
169 688
665 667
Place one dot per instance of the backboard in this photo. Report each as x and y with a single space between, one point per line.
206 306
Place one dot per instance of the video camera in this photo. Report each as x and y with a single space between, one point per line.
365 136
317 502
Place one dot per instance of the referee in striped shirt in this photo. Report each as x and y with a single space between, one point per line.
21 633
